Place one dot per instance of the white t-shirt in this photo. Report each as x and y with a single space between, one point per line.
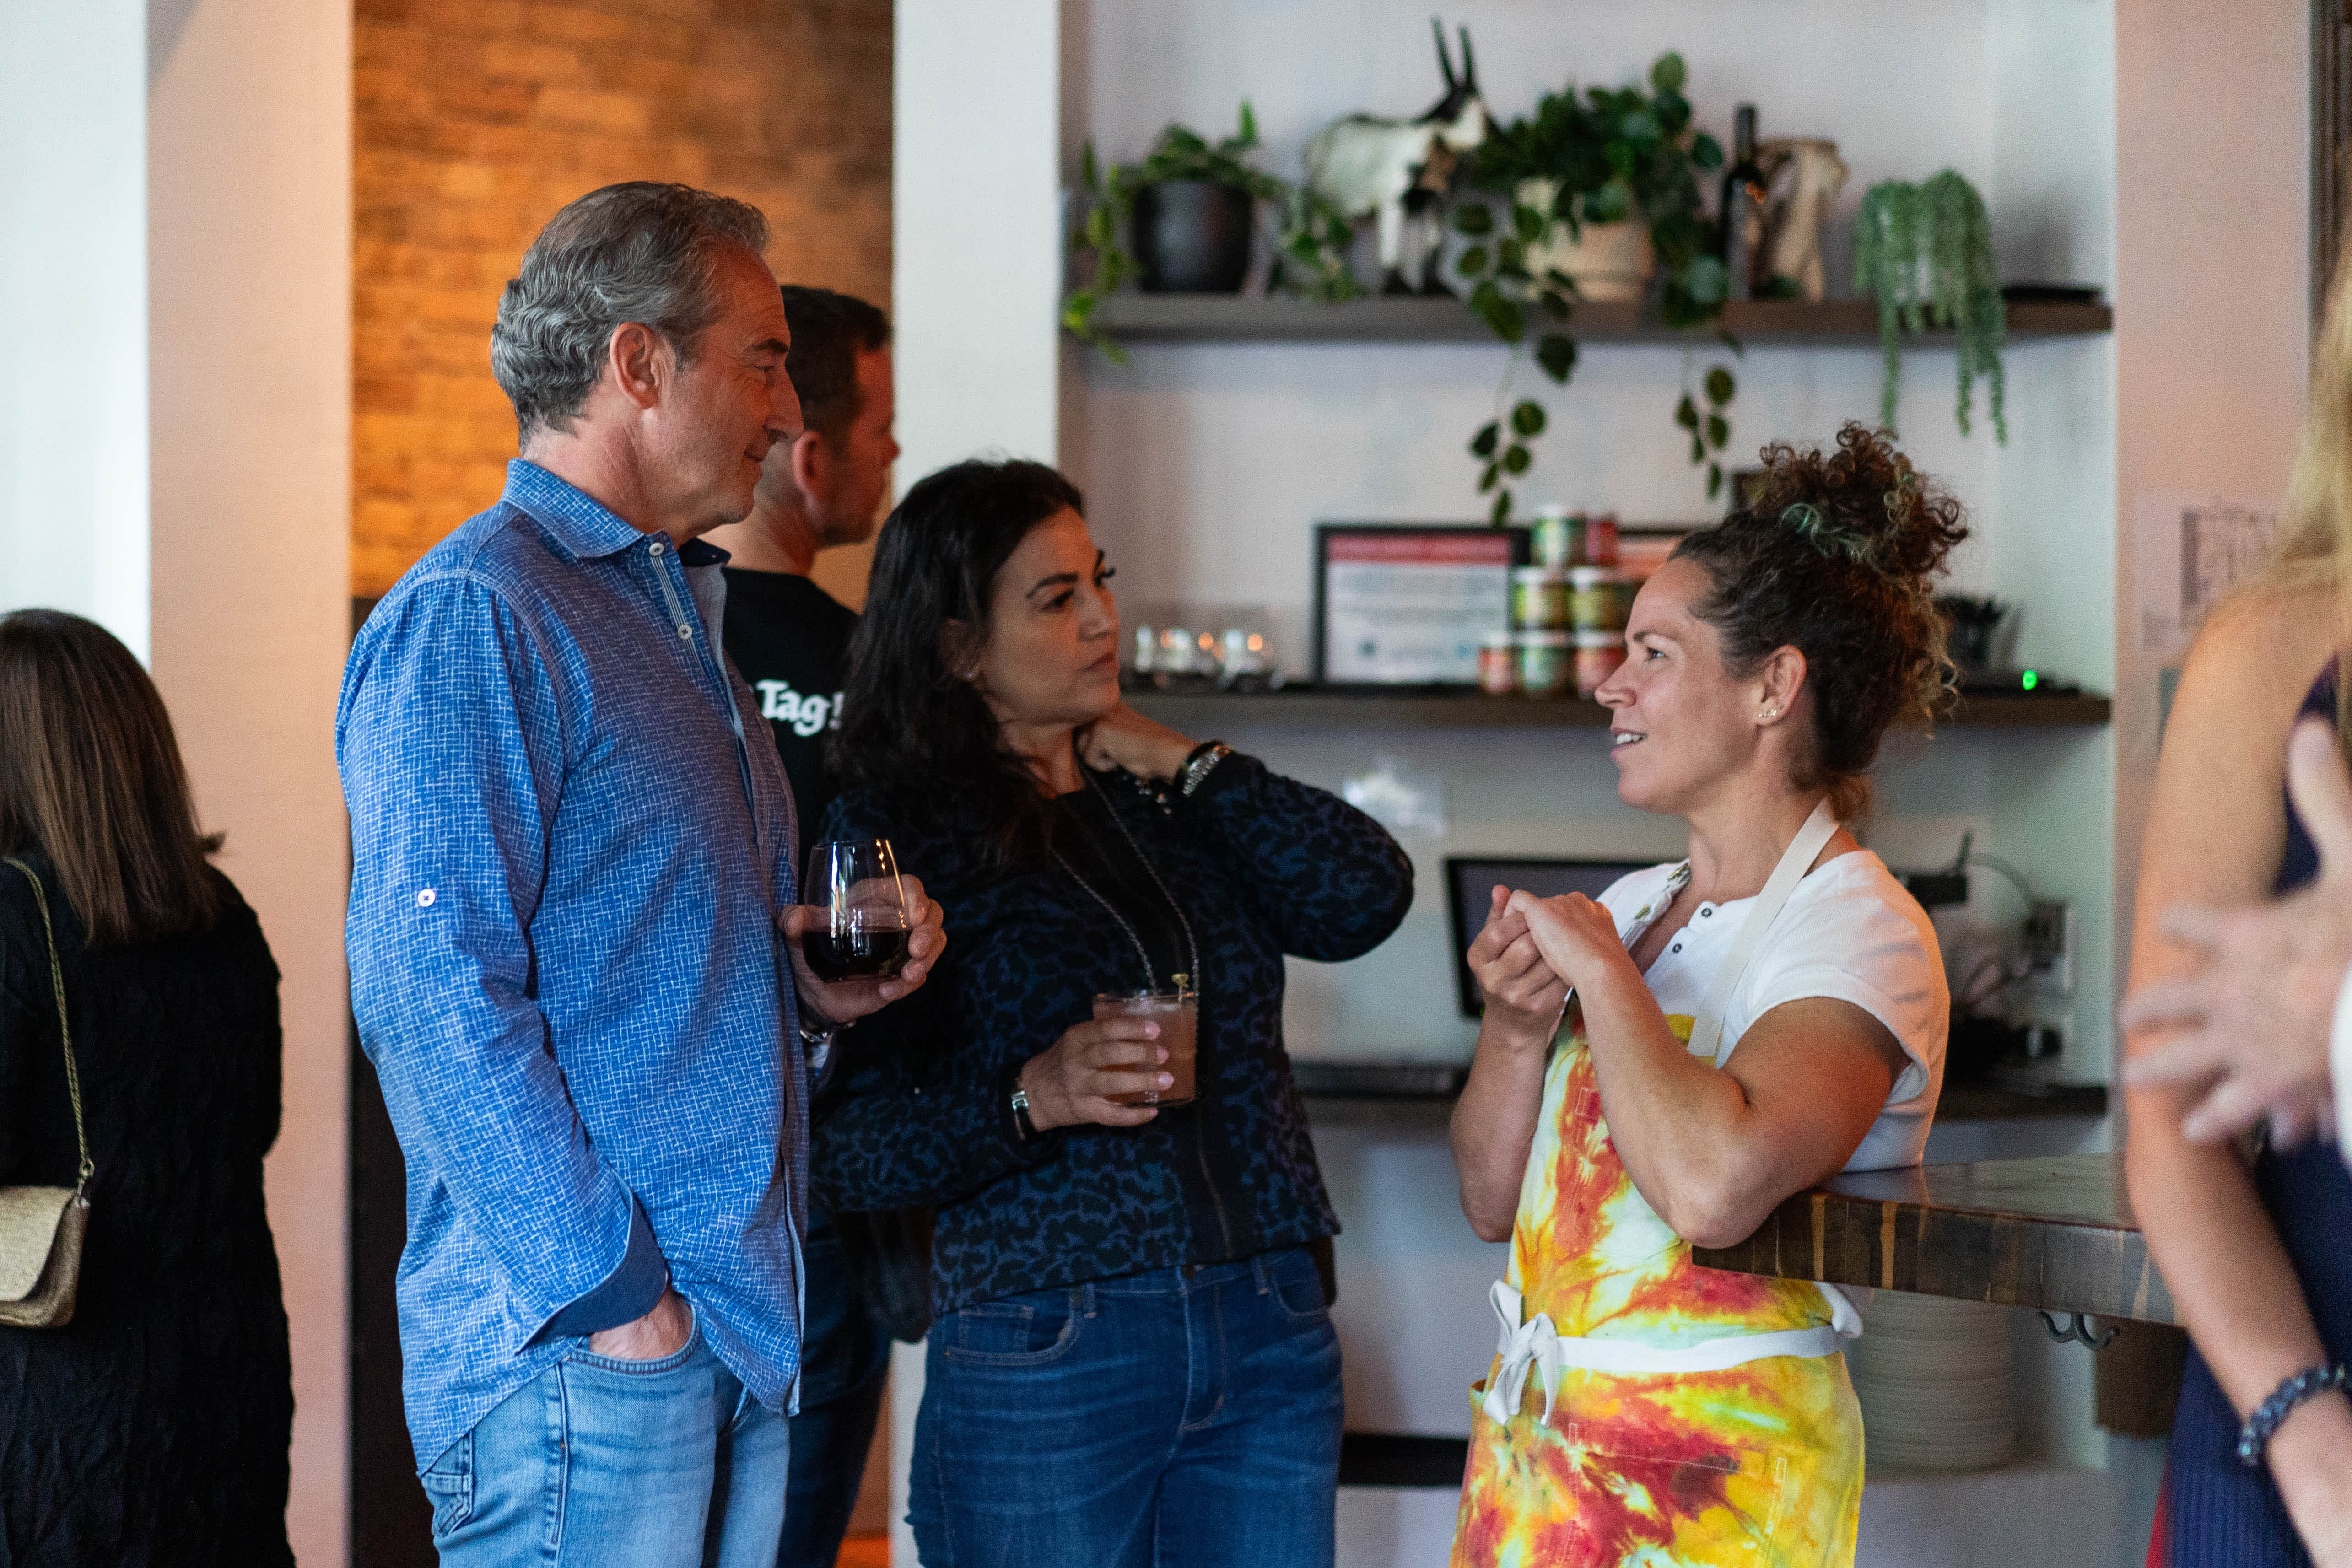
1849 931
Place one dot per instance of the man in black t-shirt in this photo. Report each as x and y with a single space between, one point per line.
788 638
786 634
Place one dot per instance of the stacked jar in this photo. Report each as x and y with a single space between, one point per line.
1539 635
1582 551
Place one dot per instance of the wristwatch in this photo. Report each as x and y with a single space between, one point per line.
1198 765
1022 1123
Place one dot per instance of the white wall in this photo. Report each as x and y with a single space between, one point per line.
976 208
73 311
250 225
2213 322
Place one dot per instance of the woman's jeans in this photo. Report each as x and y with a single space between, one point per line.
1188 1415
604 1463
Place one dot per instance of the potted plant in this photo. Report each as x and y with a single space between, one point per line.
1926 251
1588 199
1181 222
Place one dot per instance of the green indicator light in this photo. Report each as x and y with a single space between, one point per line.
2031 680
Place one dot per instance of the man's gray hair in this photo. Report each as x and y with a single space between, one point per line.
636 252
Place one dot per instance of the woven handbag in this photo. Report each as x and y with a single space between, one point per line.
41 1227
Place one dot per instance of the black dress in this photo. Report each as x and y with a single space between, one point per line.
153 1429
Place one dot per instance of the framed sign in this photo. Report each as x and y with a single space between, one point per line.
1407 604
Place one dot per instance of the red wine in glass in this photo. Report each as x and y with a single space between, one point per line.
855 954
855 882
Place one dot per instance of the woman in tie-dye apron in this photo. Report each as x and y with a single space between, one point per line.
1640 1409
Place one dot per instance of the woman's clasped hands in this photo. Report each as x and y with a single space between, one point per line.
1532 952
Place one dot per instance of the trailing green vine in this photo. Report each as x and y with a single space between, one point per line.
1310 248
1605 157
1926 251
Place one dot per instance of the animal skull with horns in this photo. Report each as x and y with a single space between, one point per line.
1398 170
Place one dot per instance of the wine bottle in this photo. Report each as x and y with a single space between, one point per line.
1743 208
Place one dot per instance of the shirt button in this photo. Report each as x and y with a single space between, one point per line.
654 549
684 630
1678 947
424 899
1704 912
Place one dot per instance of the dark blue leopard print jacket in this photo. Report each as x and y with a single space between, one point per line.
915 1110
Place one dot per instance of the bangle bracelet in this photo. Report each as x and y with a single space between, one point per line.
2256 1435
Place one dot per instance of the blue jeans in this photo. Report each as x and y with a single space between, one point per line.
605 1463
830 1442
1184 1416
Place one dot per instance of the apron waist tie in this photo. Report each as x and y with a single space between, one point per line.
1537 1346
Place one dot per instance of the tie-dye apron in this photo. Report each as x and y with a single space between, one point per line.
1641 1410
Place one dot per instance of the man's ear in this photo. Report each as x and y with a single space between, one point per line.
812 464
641 364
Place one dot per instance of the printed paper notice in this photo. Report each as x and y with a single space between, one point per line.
2189 550
1412 608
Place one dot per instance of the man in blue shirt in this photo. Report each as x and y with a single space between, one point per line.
572 927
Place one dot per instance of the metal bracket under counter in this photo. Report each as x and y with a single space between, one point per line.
2054 1233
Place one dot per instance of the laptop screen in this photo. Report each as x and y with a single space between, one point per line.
1469 878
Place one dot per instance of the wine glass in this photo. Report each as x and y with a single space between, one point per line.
856 882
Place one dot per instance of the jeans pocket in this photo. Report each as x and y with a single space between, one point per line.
651 1366
448 1483
1031 1330
1298 1286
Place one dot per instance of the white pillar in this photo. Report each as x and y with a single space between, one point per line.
249 218
73 310
976 279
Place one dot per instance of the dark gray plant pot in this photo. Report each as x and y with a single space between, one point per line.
1192 237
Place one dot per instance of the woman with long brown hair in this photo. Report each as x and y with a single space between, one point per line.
151 1427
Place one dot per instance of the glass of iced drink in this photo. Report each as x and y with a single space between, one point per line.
1176 1014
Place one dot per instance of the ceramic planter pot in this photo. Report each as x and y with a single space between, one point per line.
1609 261
1192 237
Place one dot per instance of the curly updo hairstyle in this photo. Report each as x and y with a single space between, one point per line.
1833 553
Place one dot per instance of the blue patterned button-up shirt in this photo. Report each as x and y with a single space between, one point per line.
567 865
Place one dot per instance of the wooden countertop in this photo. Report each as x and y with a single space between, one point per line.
2054 1233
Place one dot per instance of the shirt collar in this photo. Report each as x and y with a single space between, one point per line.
581 526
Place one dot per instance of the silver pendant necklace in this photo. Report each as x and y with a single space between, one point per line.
1184 982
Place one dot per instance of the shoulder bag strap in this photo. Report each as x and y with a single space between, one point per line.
65 1030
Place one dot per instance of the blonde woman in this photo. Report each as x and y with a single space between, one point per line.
2252 1243
1745 1024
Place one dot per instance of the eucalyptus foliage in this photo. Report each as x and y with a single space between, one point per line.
1614 154
1311 248
1925 250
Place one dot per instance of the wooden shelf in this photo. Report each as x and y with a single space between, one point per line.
1783 323
2054 1233
1352 707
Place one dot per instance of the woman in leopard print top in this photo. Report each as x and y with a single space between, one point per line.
1133 1360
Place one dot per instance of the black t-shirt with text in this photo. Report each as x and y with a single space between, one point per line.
790 638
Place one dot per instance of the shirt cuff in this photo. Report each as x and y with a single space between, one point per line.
626 1294
2339 1065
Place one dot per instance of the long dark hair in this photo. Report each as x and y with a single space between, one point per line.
908 721
90 775
1835 554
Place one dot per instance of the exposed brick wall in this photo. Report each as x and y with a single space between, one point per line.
475 120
